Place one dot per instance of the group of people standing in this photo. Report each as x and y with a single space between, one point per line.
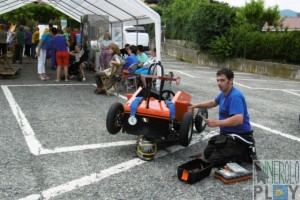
59 43
22 37
54 42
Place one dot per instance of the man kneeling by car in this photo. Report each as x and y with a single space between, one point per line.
235 143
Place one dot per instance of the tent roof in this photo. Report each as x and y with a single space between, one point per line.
126 12
116 10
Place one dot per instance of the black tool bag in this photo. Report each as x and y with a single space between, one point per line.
194 171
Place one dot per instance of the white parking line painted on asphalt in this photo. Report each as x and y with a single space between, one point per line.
114 93
251 79
275 89
263 80
276 132
86 147
32 142
298 82
292 92
93 178
185 74
96 177
210 134
242 85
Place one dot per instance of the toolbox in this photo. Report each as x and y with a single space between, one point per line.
194 171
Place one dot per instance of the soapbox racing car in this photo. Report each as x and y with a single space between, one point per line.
161 116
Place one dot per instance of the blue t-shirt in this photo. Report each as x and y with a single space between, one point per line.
46 38
233 103
58 43
130 60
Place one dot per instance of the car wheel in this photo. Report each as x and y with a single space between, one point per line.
113 118
167 94
199 121
186 129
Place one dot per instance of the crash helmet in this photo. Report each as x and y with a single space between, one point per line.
146 149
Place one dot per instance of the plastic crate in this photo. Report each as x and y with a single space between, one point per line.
194 171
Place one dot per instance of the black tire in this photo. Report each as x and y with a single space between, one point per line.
113 118
186 129
167 94
199 121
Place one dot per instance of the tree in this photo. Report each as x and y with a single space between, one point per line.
42 14
176 18
257 15
165 3
207 21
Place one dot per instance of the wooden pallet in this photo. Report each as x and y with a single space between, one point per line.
9 73
7 70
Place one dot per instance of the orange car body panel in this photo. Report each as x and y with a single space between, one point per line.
159 109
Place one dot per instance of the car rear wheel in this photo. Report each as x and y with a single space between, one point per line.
114 118
167 94
199 121
186 129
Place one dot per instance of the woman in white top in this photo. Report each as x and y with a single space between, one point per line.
78 53
115 68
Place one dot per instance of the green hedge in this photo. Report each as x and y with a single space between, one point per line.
281 47
215 28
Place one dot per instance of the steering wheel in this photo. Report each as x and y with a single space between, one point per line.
167 94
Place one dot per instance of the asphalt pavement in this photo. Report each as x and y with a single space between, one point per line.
54 143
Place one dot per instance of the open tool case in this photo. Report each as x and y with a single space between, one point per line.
232 172
194 171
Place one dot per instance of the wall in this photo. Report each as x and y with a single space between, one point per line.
177 49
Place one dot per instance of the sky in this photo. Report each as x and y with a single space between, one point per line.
283 4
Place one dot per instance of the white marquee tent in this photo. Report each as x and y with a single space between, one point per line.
124 12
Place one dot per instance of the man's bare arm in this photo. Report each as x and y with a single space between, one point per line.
205 104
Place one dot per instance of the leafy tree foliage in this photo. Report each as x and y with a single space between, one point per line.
42 14
257 15
165 3
176 17
207 21
245 40
227 32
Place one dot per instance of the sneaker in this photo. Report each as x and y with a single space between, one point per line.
66 80
57 80
83 79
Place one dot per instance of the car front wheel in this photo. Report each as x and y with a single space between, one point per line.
114 118
201 116
186 129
